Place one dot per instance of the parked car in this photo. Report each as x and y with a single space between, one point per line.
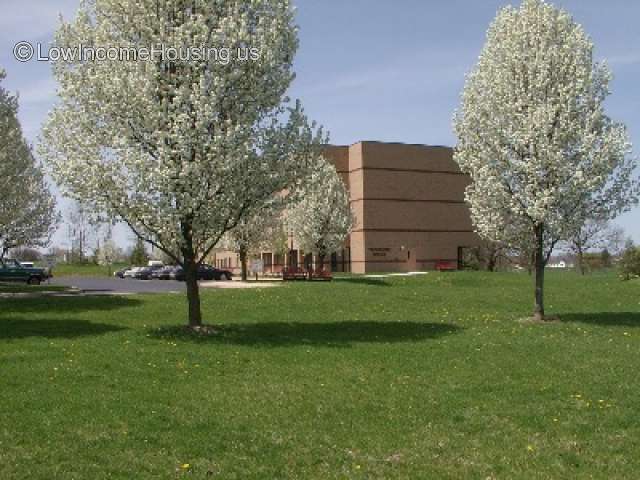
205 272
131 272
143 273
120 273
163 273
14 271
213 273
176 274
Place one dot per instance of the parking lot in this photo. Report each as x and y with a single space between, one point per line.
111 286
119 286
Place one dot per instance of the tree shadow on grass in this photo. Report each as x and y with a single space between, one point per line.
17 328
374 282
334 334
605 319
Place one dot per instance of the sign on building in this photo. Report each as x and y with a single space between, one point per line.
257 266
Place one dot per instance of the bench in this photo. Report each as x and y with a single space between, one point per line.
322 275
446 266
294 273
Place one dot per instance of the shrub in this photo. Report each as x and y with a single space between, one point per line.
139 255
630 263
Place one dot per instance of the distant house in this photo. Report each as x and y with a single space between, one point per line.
560 264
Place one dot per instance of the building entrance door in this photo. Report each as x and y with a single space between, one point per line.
412 264
293 258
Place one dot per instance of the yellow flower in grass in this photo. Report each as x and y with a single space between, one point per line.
185 466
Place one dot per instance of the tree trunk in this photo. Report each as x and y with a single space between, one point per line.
538 312
321 261
491 264
580 258
243 263
193 291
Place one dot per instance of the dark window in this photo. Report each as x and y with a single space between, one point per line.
293 258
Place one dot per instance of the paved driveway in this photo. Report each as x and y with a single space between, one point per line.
124 286
119 286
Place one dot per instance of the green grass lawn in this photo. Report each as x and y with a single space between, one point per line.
406 378
89 270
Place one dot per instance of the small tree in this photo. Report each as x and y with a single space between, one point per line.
606 259
108 251
28 214
630 262
322 219
532 133
253 233
592 234
487 256
616 240
80 223
107 254
139 255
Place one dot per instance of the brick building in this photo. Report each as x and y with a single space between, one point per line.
409 206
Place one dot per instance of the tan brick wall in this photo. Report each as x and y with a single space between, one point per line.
413 216
409 206
407 157
409 202
413 185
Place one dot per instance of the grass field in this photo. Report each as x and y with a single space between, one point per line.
408 378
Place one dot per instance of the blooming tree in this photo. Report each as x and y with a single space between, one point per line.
27 208
181 147
107 251
615 240
592 234
253 233
534 137
322 218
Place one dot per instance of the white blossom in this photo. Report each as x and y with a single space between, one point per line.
180 151
322 218
533 135
255 233
27 208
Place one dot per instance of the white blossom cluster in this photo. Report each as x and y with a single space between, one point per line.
181 151
255 233
533 134
27 208
108 252
322 218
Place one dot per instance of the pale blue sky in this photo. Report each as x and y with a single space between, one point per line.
371 69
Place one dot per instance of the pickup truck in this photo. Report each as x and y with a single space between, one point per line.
14 271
